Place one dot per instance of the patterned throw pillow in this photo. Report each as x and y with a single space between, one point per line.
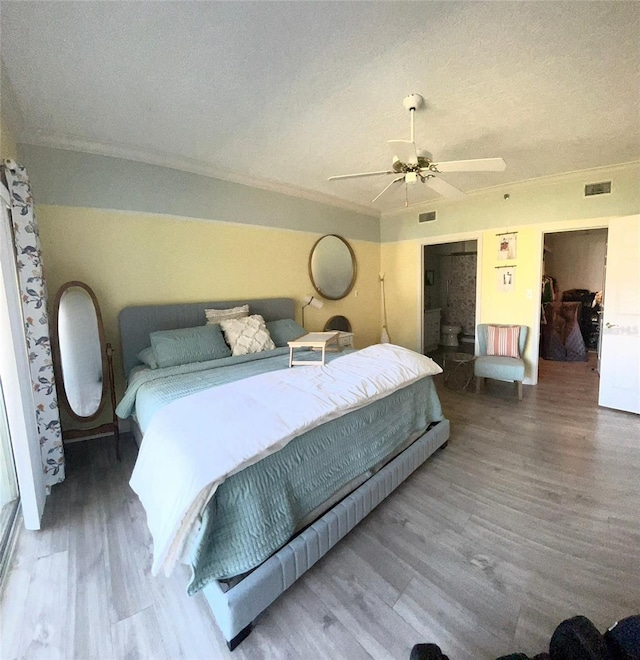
503 340
217 315
247 335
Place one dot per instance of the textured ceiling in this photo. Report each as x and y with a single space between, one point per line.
294 92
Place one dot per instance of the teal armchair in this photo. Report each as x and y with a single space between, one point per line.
496 366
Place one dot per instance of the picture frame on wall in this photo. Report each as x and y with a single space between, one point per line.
429 277
506 279
507 247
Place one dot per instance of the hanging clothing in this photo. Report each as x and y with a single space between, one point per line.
549 288
33 294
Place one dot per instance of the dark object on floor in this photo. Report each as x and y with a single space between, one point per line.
560 337
427 652
623 638
522 656
588 318
574 639
578 639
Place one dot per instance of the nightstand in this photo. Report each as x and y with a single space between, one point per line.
345 339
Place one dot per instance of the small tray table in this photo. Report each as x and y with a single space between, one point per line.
315 340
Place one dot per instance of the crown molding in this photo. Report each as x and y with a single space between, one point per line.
160 159
547 180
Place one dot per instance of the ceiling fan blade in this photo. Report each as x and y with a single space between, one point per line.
400 178
355 176
405 151
444 188
474 165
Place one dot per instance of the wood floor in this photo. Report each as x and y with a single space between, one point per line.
529 516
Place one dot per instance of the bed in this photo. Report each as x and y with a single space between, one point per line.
260 524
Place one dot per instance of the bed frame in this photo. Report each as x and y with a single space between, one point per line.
236 608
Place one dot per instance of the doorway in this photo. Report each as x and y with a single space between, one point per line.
573 270
450 282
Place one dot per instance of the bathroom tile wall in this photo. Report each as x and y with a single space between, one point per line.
458 290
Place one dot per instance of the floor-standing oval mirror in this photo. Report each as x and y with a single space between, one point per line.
82 361
332 267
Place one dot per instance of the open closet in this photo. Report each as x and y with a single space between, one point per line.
572 295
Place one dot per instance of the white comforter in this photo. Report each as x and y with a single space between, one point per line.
193 444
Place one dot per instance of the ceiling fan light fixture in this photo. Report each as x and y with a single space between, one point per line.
412 102
425 157
413 164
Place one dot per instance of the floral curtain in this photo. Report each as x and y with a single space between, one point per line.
33 291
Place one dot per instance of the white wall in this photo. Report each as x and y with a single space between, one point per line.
576 259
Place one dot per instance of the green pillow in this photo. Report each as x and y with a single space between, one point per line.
186 345
147 357
284 330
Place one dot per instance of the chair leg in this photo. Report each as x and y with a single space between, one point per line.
479 383
519 384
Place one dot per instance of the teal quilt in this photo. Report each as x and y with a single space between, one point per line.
257 510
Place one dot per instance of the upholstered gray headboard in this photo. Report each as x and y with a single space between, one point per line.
136 323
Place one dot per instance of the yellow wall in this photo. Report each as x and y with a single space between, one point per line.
518 307
136 258
8 148
534 208
400 263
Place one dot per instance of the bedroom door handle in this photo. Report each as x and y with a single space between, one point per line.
611 325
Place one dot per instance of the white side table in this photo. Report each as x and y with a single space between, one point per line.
346 339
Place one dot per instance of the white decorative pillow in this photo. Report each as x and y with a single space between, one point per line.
247 335
217 315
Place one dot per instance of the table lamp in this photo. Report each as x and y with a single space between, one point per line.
313 302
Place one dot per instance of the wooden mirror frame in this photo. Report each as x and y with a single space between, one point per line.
338 320
106 353
354 266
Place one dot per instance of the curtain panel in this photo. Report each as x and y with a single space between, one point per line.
33 293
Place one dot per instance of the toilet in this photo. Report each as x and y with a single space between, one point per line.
449 334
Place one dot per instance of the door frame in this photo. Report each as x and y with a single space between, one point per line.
441 240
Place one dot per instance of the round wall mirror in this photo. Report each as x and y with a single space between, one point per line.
78 344
332 267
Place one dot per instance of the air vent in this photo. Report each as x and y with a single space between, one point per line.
603 188
429 216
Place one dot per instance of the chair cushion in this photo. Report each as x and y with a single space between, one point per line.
499 367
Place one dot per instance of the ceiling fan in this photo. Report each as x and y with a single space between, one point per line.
413 164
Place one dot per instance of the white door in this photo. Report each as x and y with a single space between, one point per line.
620 356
